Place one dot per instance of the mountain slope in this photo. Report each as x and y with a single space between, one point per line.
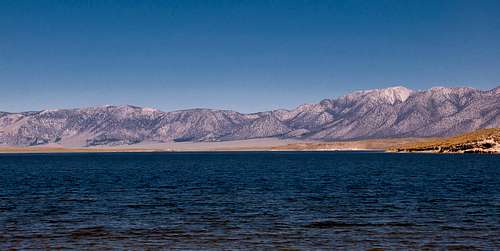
379 113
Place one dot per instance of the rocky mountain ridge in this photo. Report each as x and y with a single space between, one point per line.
379 113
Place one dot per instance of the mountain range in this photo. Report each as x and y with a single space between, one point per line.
379 113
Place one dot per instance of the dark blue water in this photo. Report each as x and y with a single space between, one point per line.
250 201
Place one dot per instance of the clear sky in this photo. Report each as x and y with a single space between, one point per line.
241 55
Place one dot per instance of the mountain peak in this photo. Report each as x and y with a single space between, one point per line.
396 93
390 95
451 89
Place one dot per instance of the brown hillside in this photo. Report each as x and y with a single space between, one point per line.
483 140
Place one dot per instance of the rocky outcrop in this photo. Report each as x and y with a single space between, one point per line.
481 141
379 113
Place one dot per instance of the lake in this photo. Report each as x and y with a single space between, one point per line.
249 200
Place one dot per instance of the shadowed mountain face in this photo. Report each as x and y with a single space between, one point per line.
379 113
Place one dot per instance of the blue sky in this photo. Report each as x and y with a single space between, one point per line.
242 55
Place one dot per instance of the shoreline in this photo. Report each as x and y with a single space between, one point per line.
192 151
263 145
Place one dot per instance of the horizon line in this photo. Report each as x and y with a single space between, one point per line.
249 113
